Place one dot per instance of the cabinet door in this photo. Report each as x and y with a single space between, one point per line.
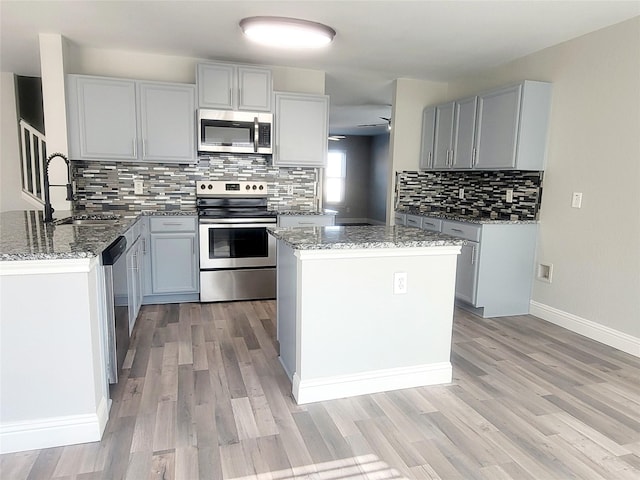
174 263
217 86
467 272
254 89
106 119
443 135
464 135
301 130
306 220
497 128
134 281
428 132
167 121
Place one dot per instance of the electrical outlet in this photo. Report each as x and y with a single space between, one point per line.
289 189
576 200
138 187
509 195
461 193
399 283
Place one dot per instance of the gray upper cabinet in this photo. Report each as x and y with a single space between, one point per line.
102 118
129 120
504 129
464 133
512 127
234 87
443 143
301 129
428 130
167 122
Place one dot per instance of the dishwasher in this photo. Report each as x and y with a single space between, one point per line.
117 306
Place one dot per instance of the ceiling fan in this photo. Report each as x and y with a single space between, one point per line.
388 124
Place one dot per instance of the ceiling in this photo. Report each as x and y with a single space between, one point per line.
376 41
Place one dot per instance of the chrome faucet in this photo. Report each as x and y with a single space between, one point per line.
48 209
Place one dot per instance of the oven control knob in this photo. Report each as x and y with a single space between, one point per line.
255 187
210 186
261 187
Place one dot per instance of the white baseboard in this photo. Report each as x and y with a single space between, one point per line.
341 386
54 432
600 333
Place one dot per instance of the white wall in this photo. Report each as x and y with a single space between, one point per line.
410 98
10 180
168 68
594 148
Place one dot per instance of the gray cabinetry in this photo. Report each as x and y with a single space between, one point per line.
512 127
167 122
306 220
135 270
431 224
502 129
173 260
128 120
399 218
496 267
102 118
413 221
234 87
464 133
443 135
428 130
301 130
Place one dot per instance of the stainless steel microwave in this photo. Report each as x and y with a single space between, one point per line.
227 131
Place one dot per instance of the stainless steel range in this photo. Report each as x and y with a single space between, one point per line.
237 255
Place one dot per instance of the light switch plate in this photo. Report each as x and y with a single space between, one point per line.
509 195
289 189
138 187
576 200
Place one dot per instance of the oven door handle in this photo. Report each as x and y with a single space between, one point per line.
256 130
243 222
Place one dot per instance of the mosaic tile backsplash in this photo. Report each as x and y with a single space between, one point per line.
484 193
107 186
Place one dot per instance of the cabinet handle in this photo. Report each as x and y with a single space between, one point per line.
171 223
473 255
473 157
144 148
430 159
453 154
144 246
456 230
135 147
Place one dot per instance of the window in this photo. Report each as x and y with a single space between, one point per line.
334 177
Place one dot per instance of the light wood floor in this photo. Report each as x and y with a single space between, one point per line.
204 397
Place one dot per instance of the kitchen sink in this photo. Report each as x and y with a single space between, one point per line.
92 222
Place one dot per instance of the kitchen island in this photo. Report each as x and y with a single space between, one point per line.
364 309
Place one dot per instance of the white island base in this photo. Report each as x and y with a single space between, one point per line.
344 332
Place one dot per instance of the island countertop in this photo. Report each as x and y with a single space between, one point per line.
353 237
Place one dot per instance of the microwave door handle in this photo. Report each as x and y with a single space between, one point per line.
255 134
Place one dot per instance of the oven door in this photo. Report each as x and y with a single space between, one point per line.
236 245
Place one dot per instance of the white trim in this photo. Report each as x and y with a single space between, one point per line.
590 329
341 386
332 253
54 431
48 267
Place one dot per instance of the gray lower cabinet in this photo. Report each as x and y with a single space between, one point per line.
135 270
400 218
413 221
172 259
495 269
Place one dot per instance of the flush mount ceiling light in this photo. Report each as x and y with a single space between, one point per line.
286 32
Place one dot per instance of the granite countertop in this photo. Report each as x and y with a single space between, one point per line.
302 212
379 236
464 217
25 236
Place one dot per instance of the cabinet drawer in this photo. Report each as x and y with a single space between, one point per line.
173 224
432 224
400 218
414 221
467 231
